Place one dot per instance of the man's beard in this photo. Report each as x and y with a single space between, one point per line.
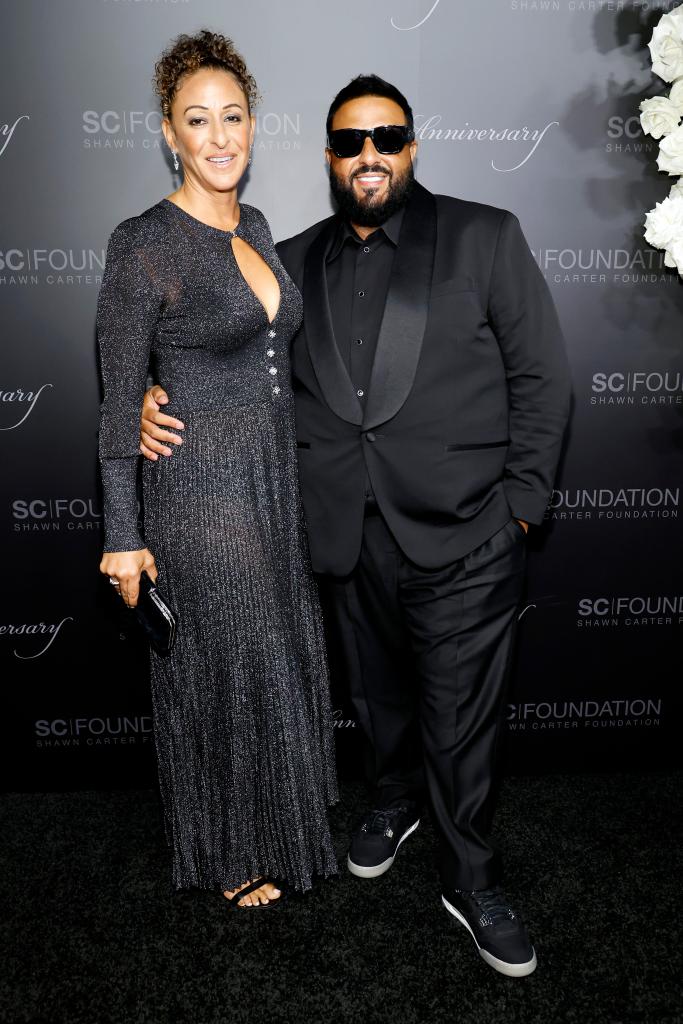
366 213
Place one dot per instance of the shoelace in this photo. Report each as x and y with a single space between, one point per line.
380 822
492 904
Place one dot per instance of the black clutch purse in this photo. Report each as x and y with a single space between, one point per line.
155 616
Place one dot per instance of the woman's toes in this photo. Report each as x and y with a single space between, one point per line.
233 894
262 895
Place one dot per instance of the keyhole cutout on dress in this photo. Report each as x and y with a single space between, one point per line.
258 276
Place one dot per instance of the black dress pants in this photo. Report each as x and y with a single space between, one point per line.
427 656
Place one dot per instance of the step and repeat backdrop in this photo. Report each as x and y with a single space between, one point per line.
531 105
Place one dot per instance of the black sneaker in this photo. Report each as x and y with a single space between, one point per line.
376 840
500 935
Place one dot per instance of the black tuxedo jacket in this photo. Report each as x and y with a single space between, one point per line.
468 398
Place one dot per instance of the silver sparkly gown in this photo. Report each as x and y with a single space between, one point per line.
242 718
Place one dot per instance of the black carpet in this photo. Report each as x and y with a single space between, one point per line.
93 933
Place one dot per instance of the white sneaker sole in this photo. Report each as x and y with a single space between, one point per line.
511 970
375 870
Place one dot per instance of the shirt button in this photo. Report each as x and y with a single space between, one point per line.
272 371
270 353
370 436
360 392
271 334
361 294
366 248
359 341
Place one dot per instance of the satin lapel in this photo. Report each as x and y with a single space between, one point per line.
328 364
405 314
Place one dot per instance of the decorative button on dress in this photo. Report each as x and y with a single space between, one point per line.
242 716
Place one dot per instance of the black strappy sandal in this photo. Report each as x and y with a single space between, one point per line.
233 901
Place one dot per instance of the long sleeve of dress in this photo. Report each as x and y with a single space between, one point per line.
127 313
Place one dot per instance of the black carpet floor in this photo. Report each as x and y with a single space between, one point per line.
94 934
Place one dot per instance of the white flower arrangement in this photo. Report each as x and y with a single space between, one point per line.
660 117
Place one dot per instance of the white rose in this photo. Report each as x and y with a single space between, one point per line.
666 46
676 94
664 224
670 157
659 116
673 257
677 189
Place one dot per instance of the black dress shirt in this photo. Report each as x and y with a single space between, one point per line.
358 274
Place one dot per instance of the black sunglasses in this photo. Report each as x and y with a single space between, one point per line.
386 138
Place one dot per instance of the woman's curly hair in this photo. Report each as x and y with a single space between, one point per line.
203 50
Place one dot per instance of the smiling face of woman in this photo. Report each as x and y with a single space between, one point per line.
211 129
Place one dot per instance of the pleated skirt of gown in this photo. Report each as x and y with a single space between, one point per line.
241 707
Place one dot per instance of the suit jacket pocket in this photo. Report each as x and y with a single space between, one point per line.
477 447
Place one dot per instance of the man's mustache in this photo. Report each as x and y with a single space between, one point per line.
371 169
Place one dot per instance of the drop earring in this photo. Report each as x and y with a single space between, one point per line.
175 160
249 160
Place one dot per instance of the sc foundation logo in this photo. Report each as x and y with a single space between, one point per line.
579 713
602 266
122 129
630 388
616 612
19 266
633 503
277 131
141 129
589 7
625 135
41 515
113 730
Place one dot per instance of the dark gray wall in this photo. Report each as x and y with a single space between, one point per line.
527 105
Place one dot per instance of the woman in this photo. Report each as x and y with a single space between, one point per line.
193 288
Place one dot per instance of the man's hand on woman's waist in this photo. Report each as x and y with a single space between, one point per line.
154 438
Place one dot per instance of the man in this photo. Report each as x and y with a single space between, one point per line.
431 391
